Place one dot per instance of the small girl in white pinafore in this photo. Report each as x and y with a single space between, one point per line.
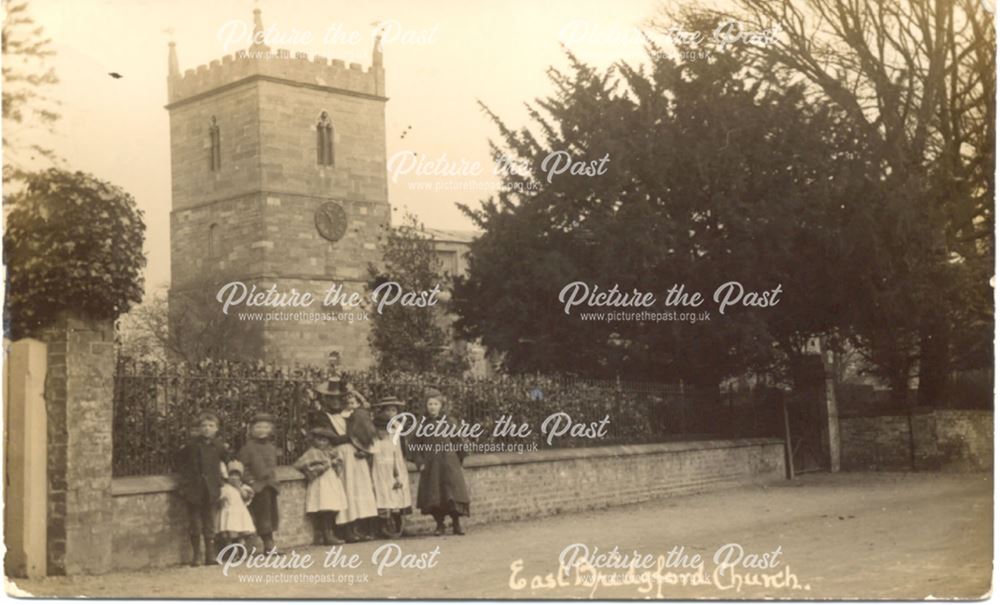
235 522
390 475
325 495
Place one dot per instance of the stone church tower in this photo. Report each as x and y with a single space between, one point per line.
278 178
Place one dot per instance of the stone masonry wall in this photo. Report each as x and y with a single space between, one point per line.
260 205
953 440
150 524
288 118
237 114
878 442
78 400
965 439
241 249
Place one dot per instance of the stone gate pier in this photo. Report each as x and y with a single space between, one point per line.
59 401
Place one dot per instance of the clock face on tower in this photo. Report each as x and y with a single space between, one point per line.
331 221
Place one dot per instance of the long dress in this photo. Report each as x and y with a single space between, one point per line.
357 478
325 492
388 468
234 517
442 489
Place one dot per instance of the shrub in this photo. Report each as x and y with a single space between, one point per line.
72 243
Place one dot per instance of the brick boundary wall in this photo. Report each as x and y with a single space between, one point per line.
150 525
946 440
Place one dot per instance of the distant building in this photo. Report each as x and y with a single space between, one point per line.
452 248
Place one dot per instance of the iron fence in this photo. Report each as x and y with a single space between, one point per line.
155 403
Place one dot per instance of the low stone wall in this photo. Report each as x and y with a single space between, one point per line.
950 440
150 526
965 439
875 442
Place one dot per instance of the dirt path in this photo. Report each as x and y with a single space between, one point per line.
871 536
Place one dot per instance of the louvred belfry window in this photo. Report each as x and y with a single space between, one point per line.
324 140
215 158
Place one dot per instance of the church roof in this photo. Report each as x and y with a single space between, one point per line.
459 236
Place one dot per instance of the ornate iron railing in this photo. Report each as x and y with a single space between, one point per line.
154 406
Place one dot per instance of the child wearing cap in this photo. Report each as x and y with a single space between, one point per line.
325 496
260 458
390 475
200 464
235 522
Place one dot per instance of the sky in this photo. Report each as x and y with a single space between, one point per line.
440 57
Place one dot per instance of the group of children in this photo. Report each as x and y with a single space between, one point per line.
357 478
229 499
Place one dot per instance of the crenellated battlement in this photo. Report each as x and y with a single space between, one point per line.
280 64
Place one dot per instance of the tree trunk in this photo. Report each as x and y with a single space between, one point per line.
831 430
899 386
934 364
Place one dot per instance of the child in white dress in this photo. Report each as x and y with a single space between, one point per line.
235 523
325 495
390 475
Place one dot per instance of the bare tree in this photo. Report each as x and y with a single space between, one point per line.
138 333
198 329
916 80
26 76
185 326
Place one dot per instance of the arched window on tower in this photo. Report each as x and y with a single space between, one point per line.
214 241
324 140
215 157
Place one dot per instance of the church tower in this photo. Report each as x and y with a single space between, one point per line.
278 178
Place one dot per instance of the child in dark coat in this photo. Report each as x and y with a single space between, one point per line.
200 464
442 491
260 458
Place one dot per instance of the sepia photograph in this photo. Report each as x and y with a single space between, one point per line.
581 299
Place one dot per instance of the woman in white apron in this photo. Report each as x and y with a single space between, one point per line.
355 452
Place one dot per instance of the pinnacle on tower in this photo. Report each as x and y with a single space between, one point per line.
173 69
377 50
257 46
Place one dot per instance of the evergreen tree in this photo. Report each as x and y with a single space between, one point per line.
710 178
411 339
